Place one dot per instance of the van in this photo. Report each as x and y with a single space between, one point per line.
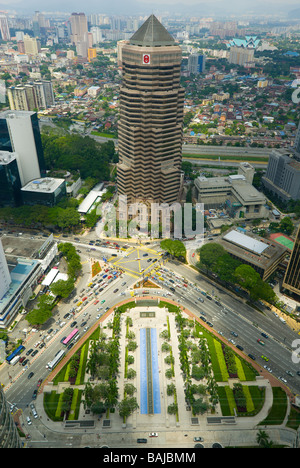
282 320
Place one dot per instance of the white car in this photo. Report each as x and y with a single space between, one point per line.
153 434
283 379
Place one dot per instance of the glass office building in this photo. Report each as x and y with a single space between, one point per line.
9 436
20 133
10 182
47 191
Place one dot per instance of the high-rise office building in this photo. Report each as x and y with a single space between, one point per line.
151 116
9 436
32 45
4 28
10 182
283 175
196 63
5 278
79 27
292 277
20 133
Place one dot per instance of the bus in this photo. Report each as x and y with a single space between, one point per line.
58 357
15 360
15 353
71 337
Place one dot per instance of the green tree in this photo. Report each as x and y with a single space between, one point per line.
286 225
174 247
68 219
127 407
209 255
62 288
247 277
43 312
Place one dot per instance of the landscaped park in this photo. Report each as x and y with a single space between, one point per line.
150 365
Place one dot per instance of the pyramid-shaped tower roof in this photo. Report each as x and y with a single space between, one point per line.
152 34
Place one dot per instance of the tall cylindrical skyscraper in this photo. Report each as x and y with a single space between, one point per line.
151 116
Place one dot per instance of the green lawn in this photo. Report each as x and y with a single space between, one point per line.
279 407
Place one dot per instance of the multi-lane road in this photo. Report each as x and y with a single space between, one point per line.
226 312
234 315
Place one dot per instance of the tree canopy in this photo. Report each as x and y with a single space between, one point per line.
174 247
75 152
214 258
43 311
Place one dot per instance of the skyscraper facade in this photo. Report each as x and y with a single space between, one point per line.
151 116
283 175
297 143
79 27
4 28
9 437
292 277
196 63
10 183
20 133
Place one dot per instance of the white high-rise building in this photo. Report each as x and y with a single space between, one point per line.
5 279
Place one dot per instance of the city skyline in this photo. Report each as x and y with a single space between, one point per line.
188 7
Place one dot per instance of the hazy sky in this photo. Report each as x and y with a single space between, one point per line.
190 7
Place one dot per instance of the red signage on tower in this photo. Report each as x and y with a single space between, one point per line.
146 59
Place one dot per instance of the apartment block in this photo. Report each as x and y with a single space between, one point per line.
31 96
282 176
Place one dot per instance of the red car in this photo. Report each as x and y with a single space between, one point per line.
84 299
96 302
261 342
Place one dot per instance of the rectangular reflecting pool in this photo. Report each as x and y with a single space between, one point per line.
149 372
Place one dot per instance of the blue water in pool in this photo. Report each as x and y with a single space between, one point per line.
143 372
